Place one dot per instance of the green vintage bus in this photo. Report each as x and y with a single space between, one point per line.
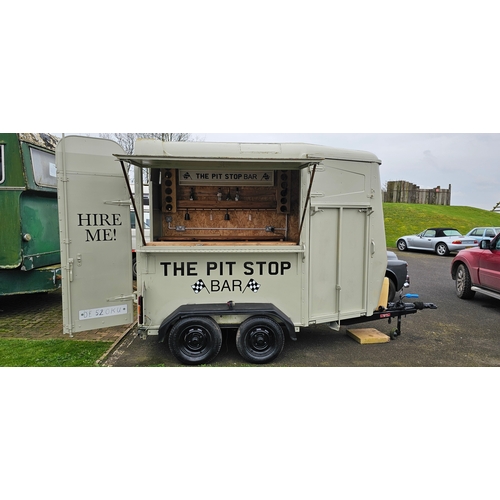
29 224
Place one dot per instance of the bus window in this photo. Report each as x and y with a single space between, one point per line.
44 168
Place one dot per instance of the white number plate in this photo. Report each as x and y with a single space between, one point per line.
102 312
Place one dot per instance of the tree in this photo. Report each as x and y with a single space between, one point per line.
127 142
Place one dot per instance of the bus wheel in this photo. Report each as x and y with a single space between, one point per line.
195 341
259 339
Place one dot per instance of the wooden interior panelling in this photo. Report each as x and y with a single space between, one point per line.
207 197
236 213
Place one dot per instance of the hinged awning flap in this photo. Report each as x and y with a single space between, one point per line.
210 163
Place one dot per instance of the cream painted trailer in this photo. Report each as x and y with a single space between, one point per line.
262 238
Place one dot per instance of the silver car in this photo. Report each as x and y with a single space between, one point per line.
483 233
442 240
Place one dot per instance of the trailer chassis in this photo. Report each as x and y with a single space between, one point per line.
394 310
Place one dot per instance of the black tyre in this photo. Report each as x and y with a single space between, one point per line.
195 341
463 283
392 291
134 268
442 249
402 247
259 339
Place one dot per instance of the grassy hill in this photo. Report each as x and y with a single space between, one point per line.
404 218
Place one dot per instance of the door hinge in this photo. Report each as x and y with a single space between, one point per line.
368 211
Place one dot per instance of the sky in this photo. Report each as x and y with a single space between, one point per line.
469 162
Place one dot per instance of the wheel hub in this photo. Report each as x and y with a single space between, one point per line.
195 339
260 339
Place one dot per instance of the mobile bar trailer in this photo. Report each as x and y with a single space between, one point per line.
259 238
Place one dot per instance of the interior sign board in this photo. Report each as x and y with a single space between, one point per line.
188 177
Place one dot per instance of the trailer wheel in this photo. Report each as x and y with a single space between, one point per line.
194 341
259 339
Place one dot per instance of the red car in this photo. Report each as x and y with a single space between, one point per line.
478 270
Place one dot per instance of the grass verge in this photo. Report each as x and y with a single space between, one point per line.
403 219
50 353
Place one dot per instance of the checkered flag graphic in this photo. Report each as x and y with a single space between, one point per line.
253 285
199 286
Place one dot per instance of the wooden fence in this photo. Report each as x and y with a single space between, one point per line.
406 192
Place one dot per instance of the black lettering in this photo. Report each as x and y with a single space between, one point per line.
226 286
100 235
107 235
261 267
99 220
210 267
179 268
91 237
214 286
237 284
273 268
191 269
285 266
165 267
230 264
84 218
249 268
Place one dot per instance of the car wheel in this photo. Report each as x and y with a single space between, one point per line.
259 339
402 247
392 291
194 341
442 249
463 283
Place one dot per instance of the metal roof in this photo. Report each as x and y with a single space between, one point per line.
152 153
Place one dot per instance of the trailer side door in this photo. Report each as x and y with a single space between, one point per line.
96 247
339 263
